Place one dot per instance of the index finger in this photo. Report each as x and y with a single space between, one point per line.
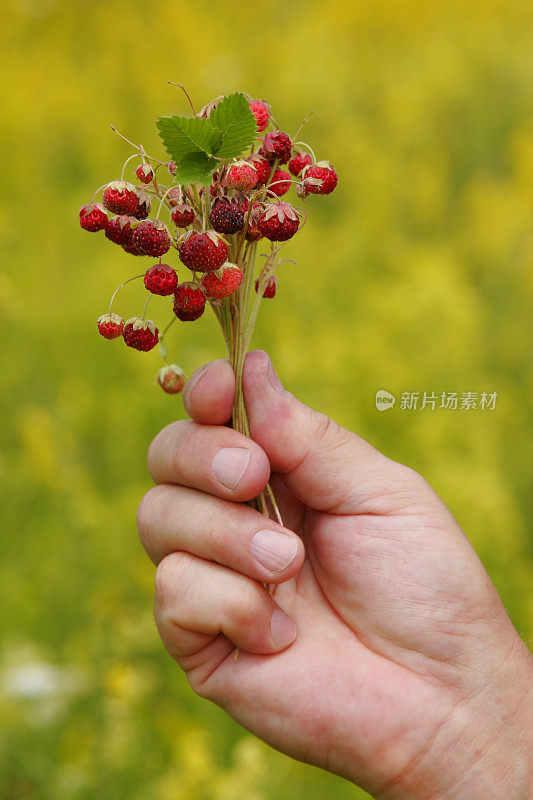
213 459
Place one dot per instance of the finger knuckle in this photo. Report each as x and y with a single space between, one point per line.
247 605
170 578
327 431
405 489
156 446
321 426
199 685
181 449
168 438
143 517
220 535
412 480
145 513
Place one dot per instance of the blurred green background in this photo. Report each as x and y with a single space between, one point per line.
416 275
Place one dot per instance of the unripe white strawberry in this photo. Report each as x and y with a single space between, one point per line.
171 379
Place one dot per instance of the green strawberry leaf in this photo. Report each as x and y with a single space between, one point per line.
192 142
233 117
184 135
196 167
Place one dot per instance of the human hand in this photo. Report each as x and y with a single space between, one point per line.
404 674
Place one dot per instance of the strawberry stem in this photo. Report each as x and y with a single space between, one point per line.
205 208
237 325
117 290
186 93
266 272
282 180
303 122
146 304
137 147
125 164
98 190
270 495
162 335
308 147
170 188
162 343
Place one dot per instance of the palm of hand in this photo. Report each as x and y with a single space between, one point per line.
380 621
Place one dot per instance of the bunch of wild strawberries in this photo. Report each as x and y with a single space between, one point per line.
213 228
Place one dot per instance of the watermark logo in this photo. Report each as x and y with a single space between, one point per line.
384 400
448 401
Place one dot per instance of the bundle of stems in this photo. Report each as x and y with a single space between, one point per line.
237 316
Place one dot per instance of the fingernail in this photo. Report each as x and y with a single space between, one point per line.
273 379
274 550
282 628
193 382
229 465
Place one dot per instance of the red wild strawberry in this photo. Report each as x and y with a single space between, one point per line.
174 197
132 249
144 173
151 238
161 279
269 289
262 167
281 182
141 334
301 189
278 222
119 230
216 188
171 379
110 326
202 252
253 234
182 215
252 231
298 162
320 178
226 216
120 197
93 217
261 112
241 175
189 302
277 145
171 166
143 206
223 282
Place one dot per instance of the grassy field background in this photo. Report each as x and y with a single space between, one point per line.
416 275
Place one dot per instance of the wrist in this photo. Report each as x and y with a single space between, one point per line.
484 748
491 743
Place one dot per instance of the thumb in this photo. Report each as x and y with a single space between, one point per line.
324 465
